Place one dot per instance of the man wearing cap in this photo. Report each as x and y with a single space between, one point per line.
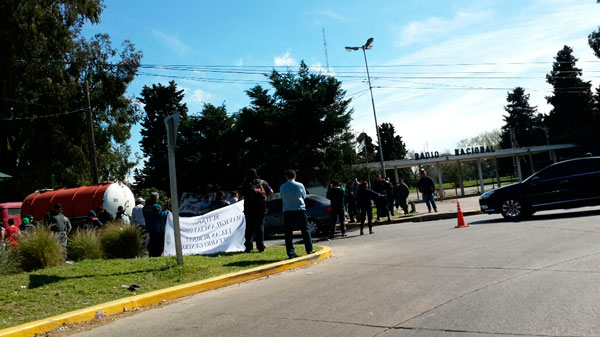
137 215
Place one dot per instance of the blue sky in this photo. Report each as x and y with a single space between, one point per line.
440 69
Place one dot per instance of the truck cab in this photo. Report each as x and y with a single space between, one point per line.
10 210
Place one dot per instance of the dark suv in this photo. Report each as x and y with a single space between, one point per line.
568 184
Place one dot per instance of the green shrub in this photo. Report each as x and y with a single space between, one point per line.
39 249
121 241
84 245
9 261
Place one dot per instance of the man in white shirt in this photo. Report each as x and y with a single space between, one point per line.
137 216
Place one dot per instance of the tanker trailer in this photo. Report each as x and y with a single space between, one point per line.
77 202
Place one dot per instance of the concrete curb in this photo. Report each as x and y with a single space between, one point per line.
157 296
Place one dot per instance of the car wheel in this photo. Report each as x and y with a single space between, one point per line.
513 209
313 227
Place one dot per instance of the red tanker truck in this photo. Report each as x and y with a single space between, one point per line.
77 202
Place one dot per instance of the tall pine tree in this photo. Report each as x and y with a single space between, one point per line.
159 102
571 119
520 119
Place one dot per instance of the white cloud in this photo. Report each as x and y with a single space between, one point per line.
196 96
285 60
336 16
172 42
418 30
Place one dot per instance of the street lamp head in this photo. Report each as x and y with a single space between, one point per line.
352 48
369 43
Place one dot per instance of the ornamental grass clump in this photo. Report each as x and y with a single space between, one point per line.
9 261
84 245
122 241
39 249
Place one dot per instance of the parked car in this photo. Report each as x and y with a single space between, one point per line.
10 210
318 211
568 184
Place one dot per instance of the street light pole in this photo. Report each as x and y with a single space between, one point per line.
369 45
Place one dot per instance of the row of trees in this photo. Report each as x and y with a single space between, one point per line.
302 124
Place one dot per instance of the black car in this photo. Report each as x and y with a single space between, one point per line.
568 184
318 211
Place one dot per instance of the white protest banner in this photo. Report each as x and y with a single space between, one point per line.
221 230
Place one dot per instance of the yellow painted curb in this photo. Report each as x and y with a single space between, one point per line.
157 296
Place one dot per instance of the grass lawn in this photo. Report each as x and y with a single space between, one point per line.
27 297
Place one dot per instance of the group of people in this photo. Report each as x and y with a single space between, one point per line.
357 200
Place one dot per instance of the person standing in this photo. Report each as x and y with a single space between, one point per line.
233 197
380 187
26 225
12 232
293 194
59 224
401 193
103 215
389 196
427 188
336 195
137 213
122 216
364 201
219 201
255 191
156 220
351 190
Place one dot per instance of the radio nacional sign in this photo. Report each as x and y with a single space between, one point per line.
457 152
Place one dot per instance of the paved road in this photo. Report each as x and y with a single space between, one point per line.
534 278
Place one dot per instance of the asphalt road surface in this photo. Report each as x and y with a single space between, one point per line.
534 278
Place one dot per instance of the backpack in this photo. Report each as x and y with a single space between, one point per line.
257 196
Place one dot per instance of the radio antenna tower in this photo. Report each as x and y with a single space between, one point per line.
325 46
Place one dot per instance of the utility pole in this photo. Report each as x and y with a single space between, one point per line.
172 123
91 141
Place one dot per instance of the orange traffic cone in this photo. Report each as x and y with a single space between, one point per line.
461 218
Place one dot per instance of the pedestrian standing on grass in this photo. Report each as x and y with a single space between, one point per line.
122 216
103 215
364 201
156 221
293 194
255 191
427 188
26 225
137 213
336 194
59 224
12 232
